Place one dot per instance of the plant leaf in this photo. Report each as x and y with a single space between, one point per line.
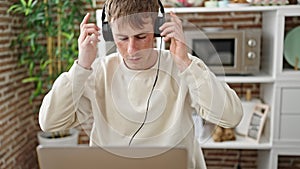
30 79
29 3
44 64
23 2
13 8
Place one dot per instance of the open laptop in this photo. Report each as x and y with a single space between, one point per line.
85 157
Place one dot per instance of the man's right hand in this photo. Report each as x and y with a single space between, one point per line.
87 42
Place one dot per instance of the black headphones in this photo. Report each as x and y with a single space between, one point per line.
107 33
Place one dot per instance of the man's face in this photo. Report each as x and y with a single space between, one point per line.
135 44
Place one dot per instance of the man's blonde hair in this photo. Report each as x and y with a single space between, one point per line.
131 11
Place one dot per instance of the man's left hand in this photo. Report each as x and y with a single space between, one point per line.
173 31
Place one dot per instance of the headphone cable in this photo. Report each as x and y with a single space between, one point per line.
148 100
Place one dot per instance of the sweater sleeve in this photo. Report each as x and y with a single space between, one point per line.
60 107
213 100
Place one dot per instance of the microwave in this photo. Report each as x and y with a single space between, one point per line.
227 52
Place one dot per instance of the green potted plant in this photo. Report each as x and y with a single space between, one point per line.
48 41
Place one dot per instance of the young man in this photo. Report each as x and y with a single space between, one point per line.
139 96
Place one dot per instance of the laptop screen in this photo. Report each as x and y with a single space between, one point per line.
85 157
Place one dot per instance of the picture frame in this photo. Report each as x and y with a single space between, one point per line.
257 121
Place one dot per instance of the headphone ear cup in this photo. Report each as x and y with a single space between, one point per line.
158 23
107 33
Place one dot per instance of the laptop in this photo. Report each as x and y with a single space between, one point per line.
85 157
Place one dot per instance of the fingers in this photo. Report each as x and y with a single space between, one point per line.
85 19
87 32
84 25
91 40
175 18
172 29
88 29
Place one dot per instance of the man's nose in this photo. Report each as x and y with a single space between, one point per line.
131 46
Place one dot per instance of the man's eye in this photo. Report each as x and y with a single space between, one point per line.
141 37
122 38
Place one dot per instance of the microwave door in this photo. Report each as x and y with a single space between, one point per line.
218 54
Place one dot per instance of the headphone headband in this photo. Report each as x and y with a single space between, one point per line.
162 10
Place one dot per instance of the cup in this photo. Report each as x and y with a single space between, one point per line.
211 4
223 3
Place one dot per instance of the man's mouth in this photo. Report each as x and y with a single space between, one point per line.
134 59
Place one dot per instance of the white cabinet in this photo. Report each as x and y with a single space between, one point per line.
289 118
289 127
287 114
290 100
280 87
